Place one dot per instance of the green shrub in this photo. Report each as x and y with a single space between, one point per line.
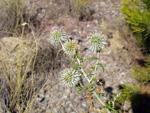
137 15
128 91
142 74
139 91
138 95
147 3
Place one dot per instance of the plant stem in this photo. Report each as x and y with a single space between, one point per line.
62 45
85 75
95 66
96 63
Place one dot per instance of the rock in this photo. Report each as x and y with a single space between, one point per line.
130 111
127 105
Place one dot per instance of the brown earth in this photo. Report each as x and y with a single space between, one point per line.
120 55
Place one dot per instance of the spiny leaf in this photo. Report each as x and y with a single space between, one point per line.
75 65
80 58
90 74
93 58
79 88
101 65
93 79
93 68
89 86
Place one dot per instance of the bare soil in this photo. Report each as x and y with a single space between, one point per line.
121 54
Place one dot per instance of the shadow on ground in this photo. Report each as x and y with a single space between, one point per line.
140 103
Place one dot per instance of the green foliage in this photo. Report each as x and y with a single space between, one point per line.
110 108
101 65
147 3
79 88
142 74
129 91
75 65
137 15
138 91
138 95
93 58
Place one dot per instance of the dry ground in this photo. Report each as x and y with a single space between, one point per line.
120 55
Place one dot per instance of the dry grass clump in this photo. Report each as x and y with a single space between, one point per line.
25 70
13 13
17 61
78 6
75 8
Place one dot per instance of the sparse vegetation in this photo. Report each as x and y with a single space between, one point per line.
137 15
30 62
25 70
139 91
79 5
13 14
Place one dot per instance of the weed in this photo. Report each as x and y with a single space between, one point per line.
74 76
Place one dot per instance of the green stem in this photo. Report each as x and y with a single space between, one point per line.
85 75
95 66
62 45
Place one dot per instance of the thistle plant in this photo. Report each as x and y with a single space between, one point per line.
74 76
98 41
57 36
70 47
70 78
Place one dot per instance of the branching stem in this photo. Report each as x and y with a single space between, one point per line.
85 75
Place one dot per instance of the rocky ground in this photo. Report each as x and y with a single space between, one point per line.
120 55
118 58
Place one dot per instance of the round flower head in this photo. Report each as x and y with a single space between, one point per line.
70 47
57 36
98 41
69 78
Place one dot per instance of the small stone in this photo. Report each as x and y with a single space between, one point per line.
127 105
65 97
84 105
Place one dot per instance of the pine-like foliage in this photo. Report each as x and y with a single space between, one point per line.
139 92
137 14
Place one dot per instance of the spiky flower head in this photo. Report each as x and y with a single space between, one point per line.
98 41
70 77
70 47
58 35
